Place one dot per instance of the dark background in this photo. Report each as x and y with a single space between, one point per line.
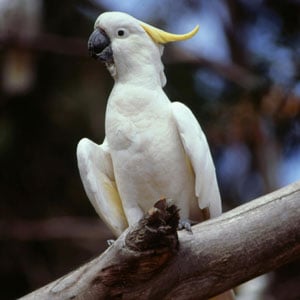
240 76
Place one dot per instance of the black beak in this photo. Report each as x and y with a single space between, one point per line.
99 46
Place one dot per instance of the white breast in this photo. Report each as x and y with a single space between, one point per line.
148 157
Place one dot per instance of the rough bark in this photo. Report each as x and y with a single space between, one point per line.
149 261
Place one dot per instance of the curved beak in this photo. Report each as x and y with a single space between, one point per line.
99 46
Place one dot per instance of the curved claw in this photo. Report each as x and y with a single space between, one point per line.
185 224
110 242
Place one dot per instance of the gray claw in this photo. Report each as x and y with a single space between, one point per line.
185 224
110 242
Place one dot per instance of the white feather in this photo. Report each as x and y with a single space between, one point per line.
96 173
153 148
197 150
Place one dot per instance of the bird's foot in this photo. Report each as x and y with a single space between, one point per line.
110 242
185 224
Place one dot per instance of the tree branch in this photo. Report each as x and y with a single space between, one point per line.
146 262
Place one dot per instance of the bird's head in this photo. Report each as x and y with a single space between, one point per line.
130 48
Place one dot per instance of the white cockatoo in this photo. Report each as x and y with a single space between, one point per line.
153 148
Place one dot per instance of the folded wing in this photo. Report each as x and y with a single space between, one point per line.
198 153
96 172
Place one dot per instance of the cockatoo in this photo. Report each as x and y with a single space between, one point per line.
153 148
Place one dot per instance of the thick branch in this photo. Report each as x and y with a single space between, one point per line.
145 262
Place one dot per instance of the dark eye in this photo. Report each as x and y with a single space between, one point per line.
121 32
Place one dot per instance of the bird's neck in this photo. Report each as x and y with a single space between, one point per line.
143 78
131 99
141 70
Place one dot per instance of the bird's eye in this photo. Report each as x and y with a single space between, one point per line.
121 32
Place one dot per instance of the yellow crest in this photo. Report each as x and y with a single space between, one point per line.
162 37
